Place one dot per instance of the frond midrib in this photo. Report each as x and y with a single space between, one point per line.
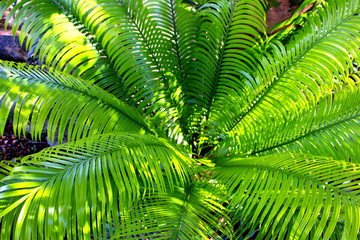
110 151
307 134
63 172
84 93
182 210
176 36
297 175
220 63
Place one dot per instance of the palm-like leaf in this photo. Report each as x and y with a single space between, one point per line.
338 125
335 117
66 102
227 30
289 84
288 196
87 184
69 50
190 213
200 74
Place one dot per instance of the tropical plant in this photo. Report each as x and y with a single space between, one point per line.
183 120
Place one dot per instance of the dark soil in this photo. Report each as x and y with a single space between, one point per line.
279 11
12 147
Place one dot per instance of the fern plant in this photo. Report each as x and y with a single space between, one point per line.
183 120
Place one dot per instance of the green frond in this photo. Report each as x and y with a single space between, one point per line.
290 84
59 41
68 107
306 65
339 140
112 45
177 32
179 28
190 213
330 128
228 29
334 129
141 54
6 167
78 189
292 196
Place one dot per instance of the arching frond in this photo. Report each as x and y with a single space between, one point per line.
59 41
299 76
139 52
330 128
293 196
177 32
78 189
118 46
68 106
122 33
191 213
228 29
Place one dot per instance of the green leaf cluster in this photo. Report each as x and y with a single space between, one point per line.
183 120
